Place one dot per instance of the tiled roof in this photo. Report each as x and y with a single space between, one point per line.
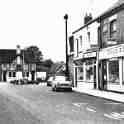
9 55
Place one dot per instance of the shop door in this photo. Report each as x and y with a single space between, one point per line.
94 76
4 76
32 75
103 75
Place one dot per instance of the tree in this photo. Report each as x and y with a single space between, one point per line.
48 63
34 53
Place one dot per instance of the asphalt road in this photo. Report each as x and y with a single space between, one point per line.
40 105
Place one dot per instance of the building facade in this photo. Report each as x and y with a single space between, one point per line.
15 65
98 51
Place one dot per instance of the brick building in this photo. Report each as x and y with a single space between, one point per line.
98 51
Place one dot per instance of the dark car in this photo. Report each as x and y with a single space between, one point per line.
49 81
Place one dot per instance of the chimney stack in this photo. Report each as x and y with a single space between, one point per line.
87 18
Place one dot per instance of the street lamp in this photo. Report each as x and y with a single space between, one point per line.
66 46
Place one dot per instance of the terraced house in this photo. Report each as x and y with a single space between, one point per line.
97 49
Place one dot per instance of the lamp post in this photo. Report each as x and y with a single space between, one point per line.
66 45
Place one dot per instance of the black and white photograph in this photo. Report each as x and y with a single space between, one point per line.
61 61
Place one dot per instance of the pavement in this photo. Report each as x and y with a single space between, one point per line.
118 97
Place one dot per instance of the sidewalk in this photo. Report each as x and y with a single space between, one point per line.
102 94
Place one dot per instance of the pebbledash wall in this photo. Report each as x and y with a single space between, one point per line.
98 51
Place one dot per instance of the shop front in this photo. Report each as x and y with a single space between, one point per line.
85 71
111 68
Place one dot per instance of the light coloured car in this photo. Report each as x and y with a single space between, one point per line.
60 82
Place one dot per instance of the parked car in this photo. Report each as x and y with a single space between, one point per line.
49 81
60 82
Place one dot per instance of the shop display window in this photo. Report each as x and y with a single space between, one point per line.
114 71
90 71
79 73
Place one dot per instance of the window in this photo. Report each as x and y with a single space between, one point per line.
80 43
71 43
90 71
113 29
105 29
27 74
114 71
88 33
79 73
10 74
14 74
77 46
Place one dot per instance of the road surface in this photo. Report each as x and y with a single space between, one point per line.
38 104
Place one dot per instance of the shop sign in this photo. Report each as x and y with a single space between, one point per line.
80 56
90 55
116 51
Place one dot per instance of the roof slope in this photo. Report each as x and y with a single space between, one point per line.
9 55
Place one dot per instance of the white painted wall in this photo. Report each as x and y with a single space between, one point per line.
41 75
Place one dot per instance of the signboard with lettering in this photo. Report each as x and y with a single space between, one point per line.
90 55
115 51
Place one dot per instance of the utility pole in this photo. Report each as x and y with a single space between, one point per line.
66 45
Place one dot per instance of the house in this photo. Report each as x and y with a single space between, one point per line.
83 48
15 64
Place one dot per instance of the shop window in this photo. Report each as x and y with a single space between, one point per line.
114 72
113 29
79 73
90 69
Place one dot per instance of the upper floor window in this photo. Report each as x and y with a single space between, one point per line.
80 43
71 43
88 33
113 28
77 46
105 28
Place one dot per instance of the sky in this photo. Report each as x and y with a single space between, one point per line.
41 23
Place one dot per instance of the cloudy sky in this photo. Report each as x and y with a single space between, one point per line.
41 23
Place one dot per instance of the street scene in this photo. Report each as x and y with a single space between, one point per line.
38 104
62 62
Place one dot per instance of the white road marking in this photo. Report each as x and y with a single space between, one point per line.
111 116
90 109
79 104
118 115
113 103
